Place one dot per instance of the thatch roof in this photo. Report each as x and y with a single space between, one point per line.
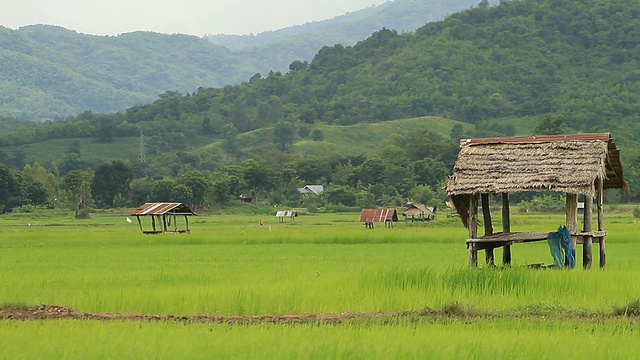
564 163
417 209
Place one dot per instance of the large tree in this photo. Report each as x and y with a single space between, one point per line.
76 187
10 192
110 180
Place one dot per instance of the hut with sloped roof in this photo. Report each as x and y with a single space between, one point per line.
164 217
579 164
418 212
284 214
386 216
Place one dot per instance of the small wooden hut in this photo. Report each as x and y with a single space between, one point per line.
164 217
370 216
577 164
283 214
418 212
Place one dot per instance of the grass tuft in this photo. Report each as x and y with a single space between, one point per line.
631 309
454 308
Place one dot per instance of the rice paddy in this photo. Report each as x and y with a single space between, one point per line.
319 264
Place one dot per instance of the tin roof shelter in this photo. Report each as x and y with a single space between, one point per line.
574 164
163 216
282 214
370 216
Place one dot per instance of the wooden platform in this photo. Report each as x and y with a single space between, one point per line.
530 236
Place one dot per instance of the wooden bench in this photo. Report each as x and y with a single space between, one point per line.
490 242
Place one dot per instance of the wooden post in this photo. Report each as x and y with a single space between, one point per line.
600 201
572 220
186 222
473 255
506 228
603 252
488 227
587 245
139 222
572 212
472 222
153 222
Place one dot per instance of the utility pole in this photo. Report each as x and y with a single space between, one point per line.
141 157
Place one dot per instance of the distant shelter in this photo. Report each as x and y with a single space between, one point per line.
283 214
418 212
386 216
164 217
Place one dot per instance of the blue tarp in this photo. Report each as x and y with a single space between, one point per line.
561 248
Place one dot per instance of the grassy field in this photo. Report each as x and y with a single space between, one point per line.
321 263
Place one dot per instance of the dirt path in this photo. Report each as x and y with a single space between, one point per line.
51 312
43 312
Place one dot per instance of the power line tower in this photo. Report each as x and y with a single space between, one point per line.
141 157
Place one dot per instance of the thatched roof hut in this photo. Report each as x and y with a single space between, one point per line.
573 164
418 210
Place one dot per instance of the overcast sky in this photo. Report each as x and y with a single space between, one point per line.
195 17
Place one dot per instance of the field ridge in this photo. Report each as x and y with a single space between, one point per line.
56 312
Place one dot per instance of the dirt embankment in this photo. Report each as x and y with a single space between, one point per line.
46 312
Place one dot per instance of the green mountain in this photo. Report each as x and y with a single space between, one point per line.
278 48
499 70
48 71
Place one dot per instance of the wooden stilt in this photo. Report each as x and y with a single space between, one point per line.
600 201
572 212
488 227
486 215
473 228
489 258
603 254
473 255
506 228
587 247
572 221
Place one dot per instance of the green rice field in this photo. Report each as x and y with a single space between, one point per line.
229 265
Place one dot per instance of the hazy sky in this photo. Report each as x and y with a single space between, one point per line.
196 17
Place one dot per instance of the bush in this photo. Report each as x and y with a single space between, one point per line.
544 203
636 212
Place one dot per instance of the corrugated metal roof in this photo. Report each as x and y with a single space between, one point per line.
378 215
536 139
161 208
286 213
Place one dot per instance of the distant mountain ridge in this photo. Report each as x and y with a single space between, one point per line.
302 42
49 71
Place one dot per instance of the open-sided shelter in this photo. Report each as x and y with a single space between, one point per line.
282 214
164 217
573 164
370 216
418 212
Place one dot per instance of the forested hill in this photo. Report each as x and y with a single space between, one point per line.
49 71
576 59
567 66
279 47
